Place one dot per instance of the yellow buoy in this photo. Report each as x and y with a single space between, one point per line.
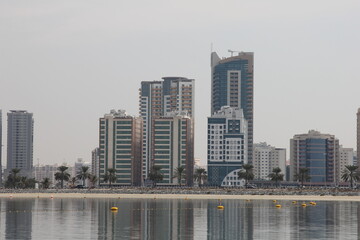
313 203
294 202
114 209
248 200
274 201
278 206
304 205
220 207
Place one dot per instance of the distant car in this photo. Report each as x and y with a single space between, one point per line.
251 186
80 186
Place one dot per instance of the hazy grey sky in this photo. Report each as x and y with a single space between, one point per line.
69 62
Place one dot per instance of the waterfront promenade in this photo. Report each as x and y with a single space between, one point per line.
318 194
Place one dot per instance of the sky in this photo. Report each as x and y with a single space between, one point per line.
70 62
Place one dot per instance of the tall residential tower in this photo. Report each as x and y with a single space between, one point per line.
173 147
20 141
158 98
232 84
120 148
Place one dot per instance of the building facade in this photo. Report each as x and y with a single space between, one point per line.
1 170
358 134
346 158
355 160
232 84
120 148
20 142
317 152
227 145
95 161
173 147
46 171
266 158
158 98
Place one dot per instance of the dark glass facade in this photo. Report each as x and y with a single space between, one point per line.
237 91
319 155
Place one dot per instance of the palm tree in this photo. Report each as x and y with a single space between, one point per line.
200 175
179 173
110 176
156 175
16 178
29 182
302 175
46 183
83 174
13 180
350 174
276 175
246 173
93 179
62 175
15 171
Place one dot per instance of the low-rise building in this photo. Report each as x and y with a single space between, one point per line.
317 152
266 158
346 158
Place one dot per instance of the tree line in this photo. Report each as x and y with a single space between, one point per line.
14 180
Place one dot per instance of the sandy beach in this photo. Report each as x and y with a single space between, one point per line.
180 196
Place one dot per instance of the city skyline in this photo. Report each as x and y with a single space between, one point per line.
52 65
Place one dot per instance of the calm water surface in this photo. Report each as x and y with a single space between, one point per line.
175 219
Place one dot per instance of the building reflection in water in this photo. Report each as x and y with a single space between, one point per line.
18 219
175 219
146 219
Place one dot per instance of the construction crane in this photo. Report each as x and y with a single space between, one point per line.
232 52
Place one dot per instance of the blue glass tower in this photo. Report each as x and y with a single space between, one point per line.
232 84
317 152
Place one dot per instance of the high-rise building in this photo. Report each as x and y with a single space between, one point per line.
158 98
95 154
20 141
173 147
232 84
346 158
227 146
266 158
317 152
1 148
120 147
358 134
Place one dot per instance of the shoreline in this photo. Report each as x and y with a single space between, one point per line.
77 195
